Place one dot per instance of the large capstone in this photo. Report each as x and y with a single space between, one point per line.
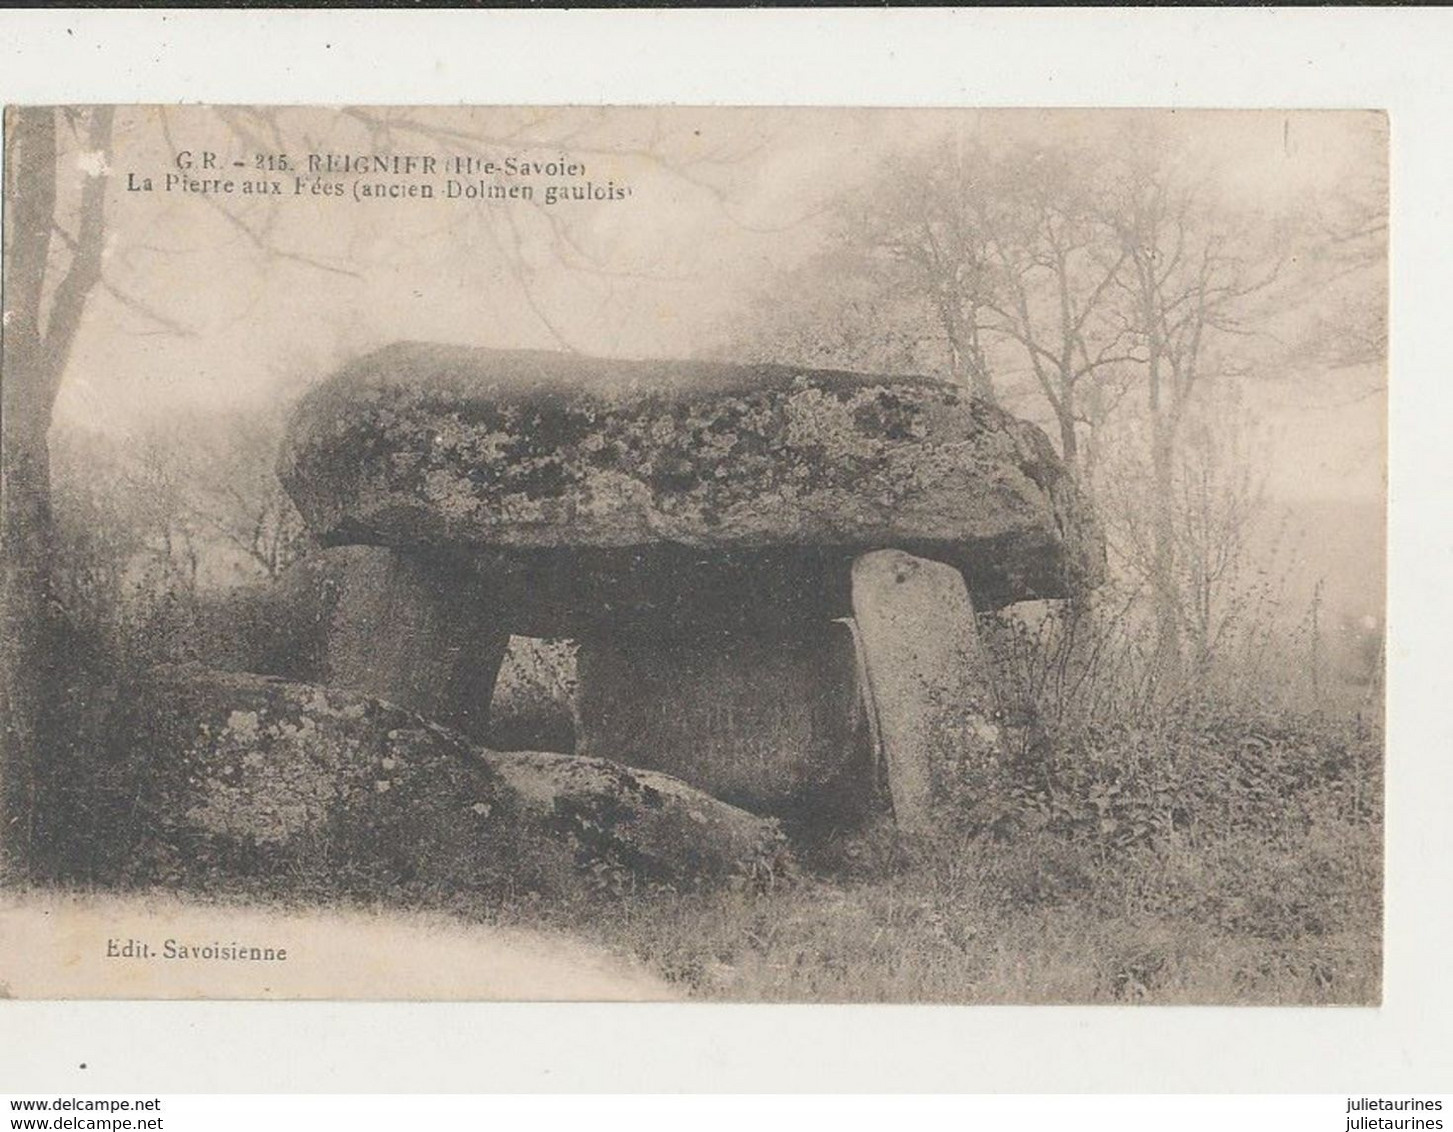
596 486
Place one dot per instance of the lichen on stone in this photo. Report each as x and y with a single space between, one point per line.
427 445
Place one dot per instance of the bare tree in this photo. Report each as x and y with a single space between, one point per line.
1001 251
1347 272
46 292
1055 290
230 495
1187 280
838 309
924 221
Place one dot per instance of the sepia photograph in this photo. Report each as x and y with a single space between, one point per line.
731 554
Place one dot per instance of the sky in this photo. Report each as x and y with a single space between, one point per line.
234 302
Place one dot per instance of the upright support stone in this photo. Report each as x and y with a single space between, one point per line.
417 628
419 632
930 680
765 722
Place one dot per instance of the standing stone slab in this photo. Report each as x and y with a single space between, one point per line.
414 628
419 632
763 721
930 680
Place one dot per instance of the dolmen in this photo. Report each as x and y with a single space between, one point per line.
771 572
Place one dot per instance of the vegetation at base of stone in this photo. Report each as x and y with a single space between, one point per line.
1260 883
1206 862
938 935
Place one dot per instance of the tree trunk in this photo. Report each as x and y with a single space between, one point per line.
967 365
32 362
979 365
26 527
30 629
1069 441
1165 591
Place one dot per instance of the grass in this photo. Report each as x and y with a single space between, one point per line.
1262 885
1031 921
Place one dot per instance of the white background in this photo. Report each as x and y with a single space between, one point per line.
1397 60
1195 1113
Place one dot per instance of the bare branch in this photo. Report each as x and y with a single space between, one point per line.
30 154
69 302
146 310
257 238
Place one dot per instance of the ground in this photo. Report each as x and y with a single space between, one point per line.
56 944
1034 920
1225 863
1232 923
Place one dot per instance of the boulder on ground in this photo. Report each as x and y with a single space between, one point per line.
651 823
231 779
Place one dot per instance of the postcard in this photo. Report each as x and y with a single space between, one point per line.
798 555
